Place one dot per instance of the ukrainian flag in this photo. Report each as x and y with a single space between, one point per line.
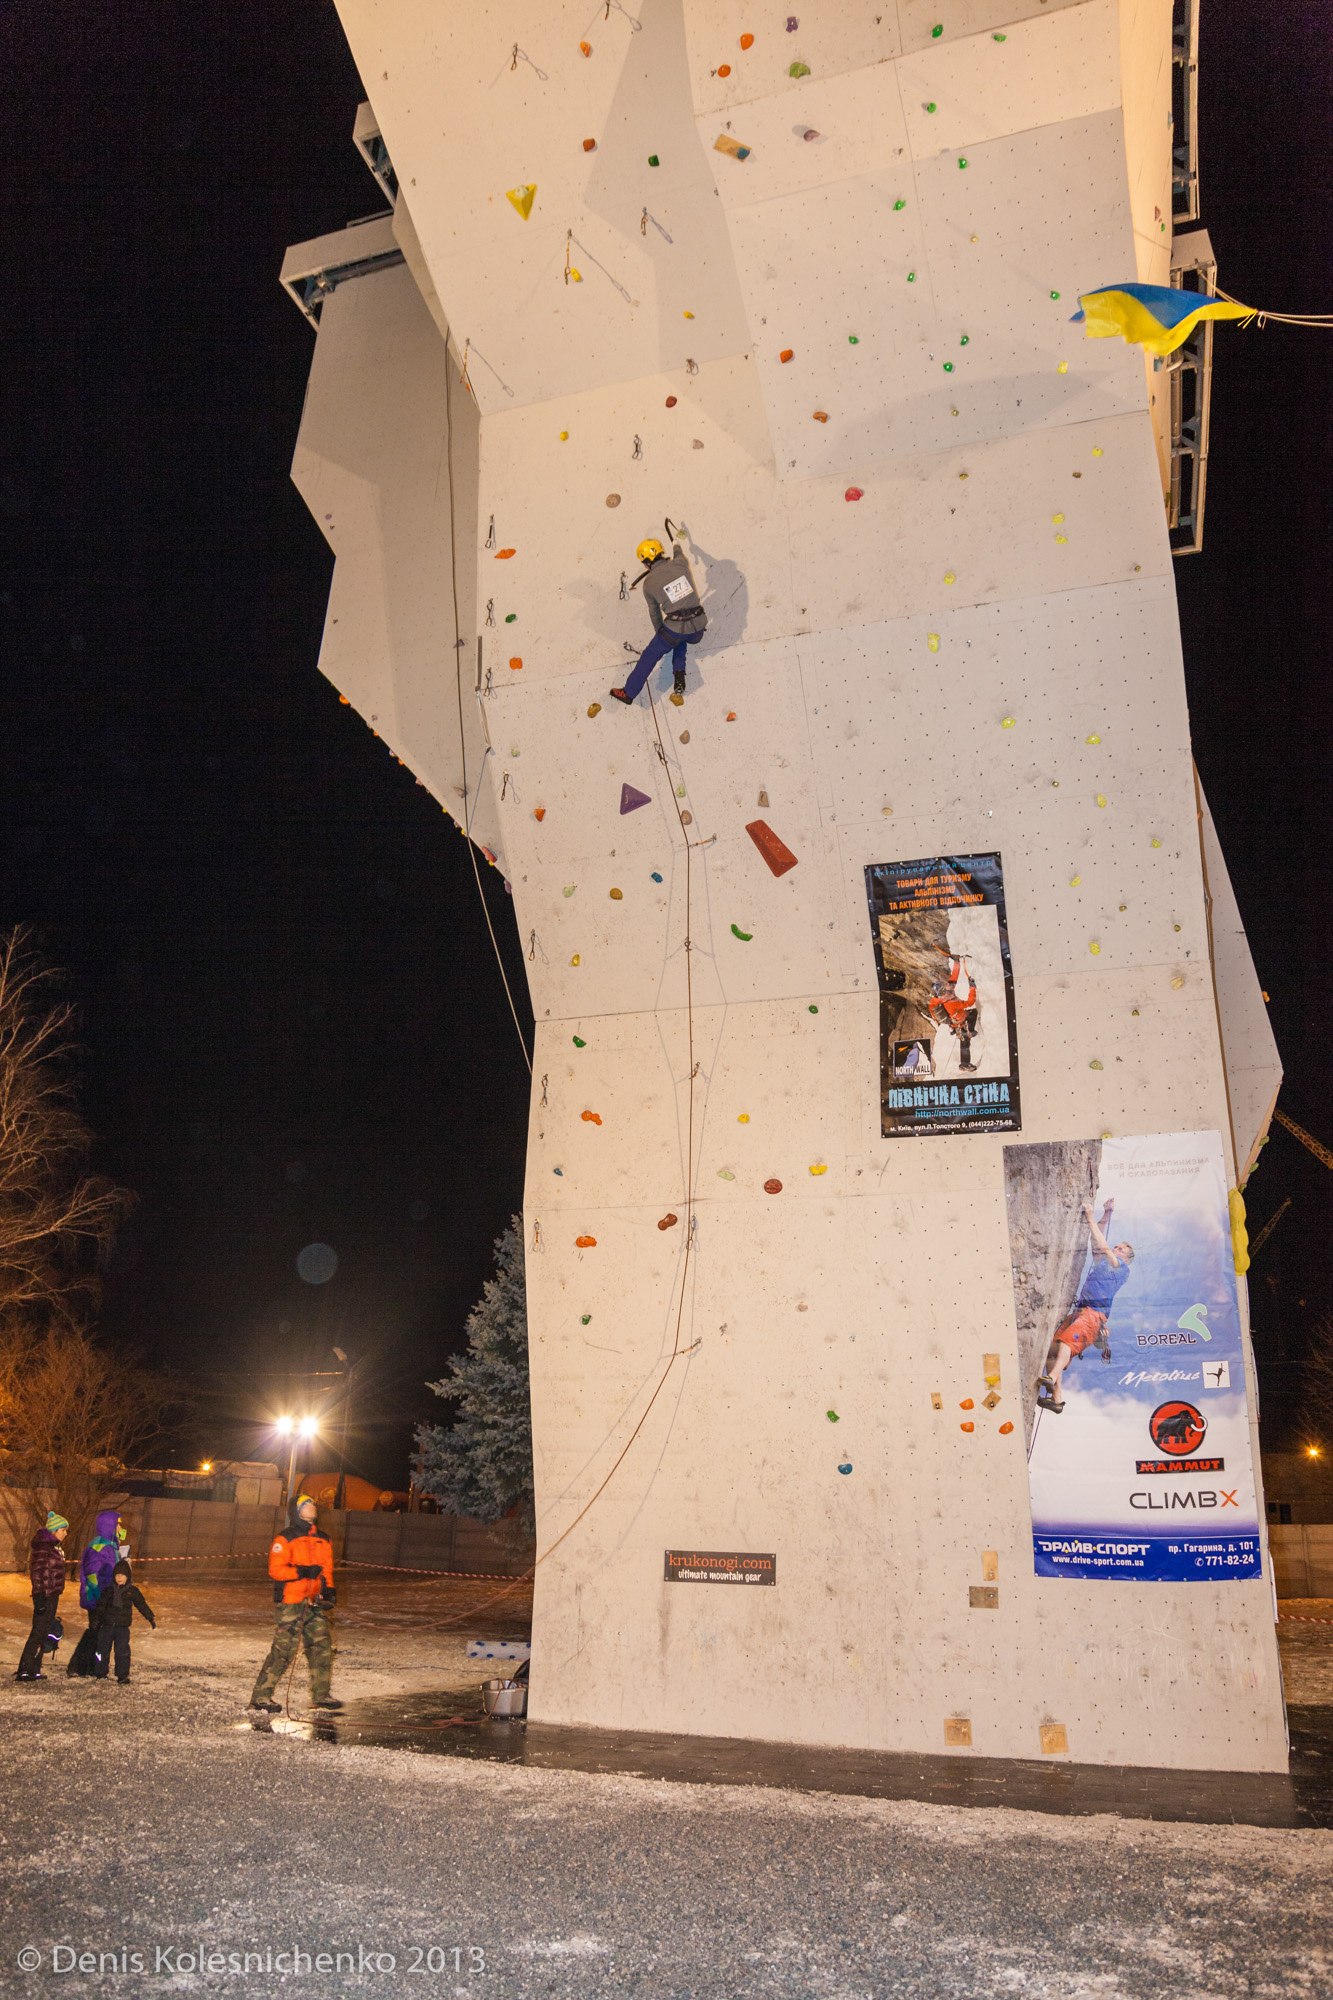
1154 316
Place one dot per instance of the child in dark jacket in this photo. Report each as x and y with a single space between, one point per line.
115 1612
46 1572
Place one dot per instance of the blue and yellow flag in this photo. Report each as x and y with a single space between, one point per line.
1153 316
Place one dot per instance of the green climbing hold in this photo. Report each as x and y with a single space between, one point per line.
853 340
832 1416
937 31
963 339
653 160
962 162
579 1042
932 107
812 1009
1055 295
587 1319
948 368
999 38
510 616
799 69
900 203
744 936
911 277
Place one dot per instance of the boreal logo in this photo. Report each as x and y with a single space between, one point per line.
1177 1428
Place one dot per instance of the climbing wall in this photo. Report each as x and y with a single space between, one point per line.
927 520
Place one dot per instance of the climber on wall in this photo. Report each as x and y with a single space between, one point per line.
953 1005
1084 1325
679 619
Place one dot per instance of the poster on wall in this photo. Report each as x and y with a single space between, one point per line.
1129 1340
948 1046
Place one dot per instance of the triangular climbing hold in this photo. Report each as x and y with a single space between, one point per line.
631 800
522 198
775 852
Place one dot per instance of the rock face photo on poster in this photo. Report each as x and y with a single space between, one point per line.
1131 1360
948 1042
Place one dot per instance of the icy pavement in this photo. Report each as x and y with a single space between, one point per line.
144 1821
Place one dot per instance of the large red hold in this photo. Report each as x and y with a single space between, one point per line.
775 852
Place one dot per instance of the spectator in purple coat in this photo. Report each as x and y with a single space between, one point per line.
95 1580
46 1571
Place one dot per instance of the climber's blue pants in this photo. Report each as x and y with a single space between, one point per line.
660 643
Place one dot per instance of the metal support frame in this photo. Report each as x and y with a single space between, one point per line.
1193 269
1185 110
370 144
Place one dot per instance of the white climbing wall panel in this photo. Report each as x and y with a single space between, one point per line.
941 622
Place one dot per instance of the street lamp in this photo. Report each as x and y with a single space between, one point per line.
296 1429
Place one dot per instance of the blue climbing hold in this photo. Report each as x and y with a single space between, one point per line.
631 799
656 876
844 1469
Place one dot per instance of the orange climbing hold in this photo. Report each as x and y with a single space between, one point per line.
966 1404
585 48
786 354
591 1118
590 145
775 852
503 555
747 41
668 1221
821 416
539 812
586 1242
731 715
346 700
724 69
1005 1430
967 1427
515 664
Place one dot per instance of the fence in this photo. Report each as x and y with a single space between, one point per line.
229 1531
1303 1560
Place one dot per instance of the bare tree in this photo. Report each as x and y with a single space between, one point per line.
1317 1382
72 1417
56 1219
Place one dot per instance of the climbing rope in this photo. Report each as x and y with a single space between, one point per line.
1259 317
458 690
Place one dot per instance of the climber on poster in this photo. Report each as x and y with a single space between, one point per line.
1085 1324
953 1006
679 619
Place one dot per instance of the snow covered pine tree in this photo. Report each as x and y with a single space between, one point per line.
482 1465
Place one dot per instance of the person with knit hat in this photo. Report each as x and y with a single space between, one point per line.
115 1613
46 1571
300 1563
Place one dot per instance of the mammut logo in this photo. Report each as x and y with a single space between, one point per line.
1177 1428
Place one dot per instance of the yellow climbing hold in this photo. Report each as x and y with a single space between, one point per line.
1009 722
594 708
523 198
1057 518
1177 982
1096 1063
688 315
576 960
1063 369
616 895
563 436
575 277
820 1169
1075 881
1096 451
743 1118
949 576
933 641
1095 948
1155 841
1101 798
1062 538
1094 738
1240 1236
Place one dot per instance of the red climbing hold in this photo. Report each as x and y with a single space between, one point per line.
854 493
772 1187
671 402
631 799
775 852
668 1221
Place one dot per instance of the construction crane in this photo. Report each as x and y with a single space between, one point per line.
1268 1228
1307 1139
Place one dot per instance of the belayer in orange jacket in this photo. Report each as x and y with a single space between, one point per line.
300 1562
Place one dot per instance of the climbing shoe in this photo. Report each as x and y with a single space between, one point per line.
679 687
618 694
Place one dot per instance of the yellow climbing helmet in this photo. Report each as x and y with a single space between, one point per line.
649 551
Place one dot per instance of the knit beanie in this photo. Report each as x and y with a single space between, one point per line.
54 1521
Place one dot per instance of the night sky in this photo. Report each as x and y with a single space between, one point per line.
294 1029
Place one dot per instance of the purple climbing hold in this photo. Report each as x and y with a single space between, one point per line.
792 24
631 800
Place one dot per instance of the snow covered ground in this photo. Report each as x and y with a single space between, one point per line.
144 1821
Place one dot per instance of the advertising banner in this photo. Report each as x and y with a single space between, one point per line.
948 1047
1129 1330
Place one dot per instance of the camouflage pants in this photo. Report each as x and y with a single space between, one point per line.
298 1624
